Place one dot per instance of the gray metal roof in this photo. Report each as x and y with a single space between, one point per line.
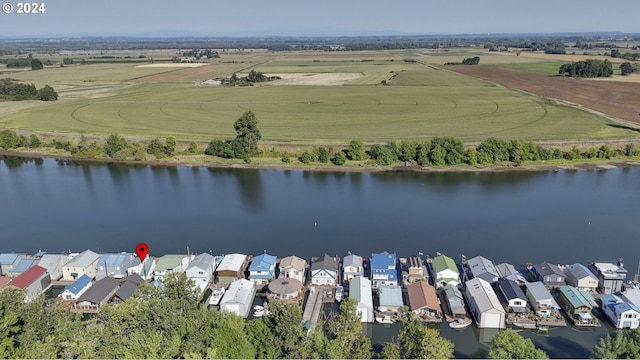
84 259
352 260
483 268
579 271
203 261
483 295
326 262
51 261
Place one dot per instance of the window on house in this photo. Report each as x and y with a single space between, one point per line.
517 303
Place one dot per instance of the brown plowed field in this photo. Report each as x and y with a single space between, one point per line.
614 98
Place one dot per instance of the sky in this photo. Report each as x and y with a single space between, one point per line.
218 18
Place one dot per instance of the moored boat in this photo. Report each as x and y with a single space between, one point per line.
386 319
459 324
339 293
216 296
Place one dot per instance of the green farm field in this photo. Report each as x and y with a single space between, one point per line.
421 102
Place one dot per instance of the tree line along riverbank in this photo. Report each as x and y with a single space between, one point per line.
438 154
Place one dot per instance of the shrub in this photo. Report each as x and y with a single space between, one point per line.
193 148
339 158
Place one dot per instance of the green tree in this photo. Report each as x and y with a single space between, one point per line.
510 345
260 336
346 332
383 155
34 141
170 145
9 140
339 158
323 154
420 342
390 351
408 150
231 340
288 336
114 144
286 158
437 155
193 148
156 148
472 156
36 64
47 94
612 346
356 150
307 157
626 68
248 134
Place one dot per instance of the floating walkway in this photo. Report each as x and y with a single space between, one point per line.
313 307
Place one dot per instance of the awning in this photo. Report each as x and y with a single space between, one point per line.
586 317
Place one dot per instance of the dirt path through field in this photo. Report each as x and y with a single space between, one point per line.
619 100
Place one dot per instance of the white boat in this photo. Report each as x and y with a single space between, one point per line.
459 324
258 313
386 319
258 308
339 293
216 296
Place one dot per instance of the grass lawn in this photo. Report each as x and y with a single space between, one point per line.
421 103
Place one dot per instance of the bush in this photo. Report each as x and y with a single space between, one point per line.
356 150
339 158
156 148
63 145
47 94
193 148
323 154
307 157
90 151
9 140
114 144
34 141
286 158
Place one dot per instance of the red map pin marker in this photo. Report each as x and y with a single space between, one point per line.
142 250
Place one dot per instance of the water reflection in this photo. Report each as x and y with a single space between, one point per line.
248 183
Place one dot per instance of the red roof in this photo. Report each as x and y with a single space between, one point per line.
5 280
28 277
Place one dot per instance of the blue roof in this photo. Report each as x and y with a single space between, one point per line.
384 263
78 284
8 259
23 265
616 304
263 262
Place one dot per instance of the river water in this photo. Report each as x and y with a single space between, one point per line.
517 217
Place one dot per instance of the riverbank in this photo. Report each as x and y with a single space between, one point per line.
364 166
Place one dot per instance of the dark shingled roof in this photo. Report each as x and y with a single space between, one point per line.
510 289
101 291
126 290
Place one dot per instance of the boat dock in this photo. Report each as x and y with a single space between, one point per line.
313 307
